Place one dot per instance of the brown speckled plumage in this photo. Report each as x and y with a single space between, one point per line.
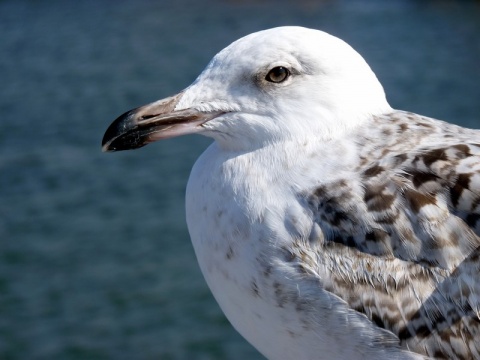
414 230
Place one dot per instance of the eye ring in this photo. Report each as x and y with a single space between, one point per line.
278 74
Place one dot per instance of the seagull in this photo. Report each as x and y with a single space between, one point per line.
326 224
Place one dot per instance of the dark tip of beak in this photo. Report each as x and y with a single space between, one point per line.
133 129
152 122
124 125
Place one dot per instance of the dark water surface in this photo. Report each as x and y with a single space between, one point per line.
95 258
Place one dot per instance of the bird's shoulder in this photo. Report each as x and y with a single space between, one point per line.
414 195
398 238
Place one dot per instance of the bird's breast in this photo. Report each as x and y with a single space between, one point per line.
236 222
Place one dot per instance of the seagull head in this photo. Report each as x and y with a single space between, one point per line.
276 85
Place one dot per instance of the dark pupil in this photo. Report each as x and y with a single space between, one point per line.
277 74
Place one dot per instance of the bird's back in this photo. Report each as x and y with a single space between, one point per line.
408 219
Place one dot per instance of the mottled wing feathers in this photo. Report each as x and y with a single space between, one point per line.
410 216
418 202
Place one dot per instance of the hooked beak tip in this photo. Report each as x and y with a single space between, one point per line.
118 135
156 121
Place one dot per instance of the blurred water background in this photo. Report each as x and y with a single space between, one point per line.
95 258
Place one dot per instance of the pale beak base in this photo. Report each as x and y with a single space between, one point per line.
152 122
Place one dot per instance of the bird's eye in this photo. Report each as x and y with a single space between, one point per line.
278 74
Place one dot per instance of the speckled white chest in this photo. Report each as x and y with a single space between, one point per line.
241 226
229 248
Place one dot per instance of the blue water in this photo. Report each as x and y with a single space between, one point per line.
95 258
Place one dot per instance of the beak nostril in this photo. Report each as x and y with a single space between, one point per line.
146 117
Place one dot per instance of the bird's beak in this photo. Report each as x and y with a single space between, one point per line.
152 122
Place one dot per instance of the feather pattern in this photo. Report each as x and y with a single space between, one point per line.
415 226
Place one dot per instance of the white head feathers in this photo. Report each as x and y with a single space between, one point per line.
329 88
